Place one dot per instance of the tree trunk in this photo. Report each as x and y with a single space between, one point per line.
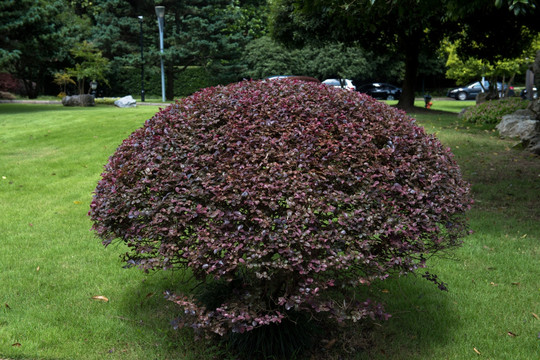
493 92
411 47
31 89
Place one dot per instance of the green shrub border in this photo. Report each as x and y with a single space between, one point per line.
491 112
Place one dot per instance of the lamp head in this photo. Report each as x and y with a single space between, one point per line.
160 11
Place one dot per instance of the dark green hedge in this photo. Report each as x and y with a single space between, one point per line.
127 81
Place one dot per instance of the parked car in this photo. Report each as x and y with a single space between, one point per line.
523 93
294 77
470 91
381 91
340 83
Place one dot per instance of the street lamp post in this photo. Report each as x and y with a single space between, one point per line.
160 12
142 60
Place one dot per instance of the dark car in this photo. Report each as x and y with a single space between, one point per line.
470 91
380 91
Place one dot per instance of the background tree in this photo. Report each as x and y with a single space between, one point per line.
395 28
465 69
207 34
211 35
406 28
35 38
495 34
264 57
63 79
91 66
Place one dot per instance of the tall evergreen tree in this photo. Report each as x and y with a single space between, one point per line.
210 34
204 33
35 38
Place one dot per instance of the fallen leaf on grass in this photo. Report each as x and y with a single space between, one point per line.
37 269
17 344
330 344
476 351
511 334
76 202
150 295
516 283
493 284
385 291
7 306
536 316
100 298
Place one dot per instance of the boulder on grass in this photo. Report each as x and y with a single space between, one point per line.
533 144
523 124
517 126
126 101
78 100
534 107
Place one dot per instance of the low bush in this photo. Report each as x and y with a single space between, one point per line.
4 95
285 195
491 112
105 100
10 84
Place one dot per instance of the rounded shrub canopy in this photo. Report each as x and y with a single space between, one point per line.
290 192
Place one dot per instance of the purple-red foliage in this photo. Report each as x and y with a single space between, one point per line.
294 190
9 83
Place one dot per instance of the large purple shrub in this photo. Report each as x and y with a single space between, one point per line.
290 193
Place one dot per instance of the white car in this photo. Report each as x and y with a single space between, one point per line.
340 83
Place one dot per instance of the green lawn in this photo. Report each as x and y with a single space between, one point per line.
51 265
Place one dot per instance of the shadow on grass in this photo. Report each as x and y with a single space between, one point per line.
423 317
10 109
150 315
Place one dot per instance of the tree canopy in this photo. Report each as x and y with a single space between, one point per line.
225 38
35 38
407 28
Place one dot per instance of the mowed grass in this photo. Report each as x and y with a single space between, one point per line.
492 307
51 265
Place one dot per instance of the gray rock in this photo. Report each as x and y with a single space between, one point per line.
78 100
534 106
518 126
126 101
525 125
533 145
